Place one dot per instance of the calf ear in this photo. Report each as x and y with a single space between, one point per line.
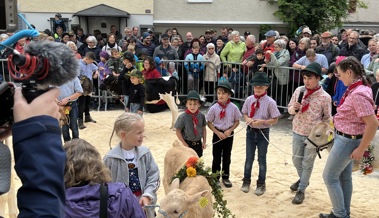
196 197
330 134
174 184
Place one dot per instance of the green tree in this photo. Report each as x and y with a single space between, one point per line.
318 15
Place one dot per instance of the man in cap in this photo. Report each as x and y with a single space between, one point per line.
270 39
72 37
165 49
209 37
327 48
312 108
145 43
307 32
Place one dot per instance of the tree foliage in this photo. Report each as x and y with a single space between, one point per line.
318 15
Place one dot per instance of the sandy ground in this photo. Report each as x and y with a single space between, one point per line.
276 202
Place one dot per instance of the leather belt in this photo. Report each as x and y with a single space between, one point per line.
193 143
348 136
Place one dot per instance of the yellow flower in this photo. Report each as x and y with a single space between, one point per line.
191 172
203 201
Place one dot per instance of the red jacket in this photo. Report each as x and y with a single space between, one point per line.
151 74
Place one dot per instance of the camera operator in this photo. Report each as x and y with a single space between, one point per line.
39 157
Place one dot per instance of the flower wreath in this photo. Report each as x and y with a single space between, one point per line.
195 166
366 161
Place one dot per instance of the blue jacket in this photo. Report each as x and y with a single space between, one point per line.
340 90
39 162
194 67
84 201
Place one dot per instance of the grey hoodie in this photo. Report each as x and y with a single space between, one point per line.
148 171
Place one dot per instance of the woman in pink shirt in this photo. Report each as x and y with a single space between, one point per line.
355 127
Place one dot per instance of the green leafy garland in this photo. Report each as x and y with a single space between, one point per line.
366 161
195 166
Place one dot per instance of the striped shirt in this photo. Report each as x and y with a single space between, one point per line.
320 110
267 109
232 114
358 104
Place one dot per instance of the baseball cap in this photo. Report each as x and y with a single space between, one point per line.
164 36
307 30
270 33
326 35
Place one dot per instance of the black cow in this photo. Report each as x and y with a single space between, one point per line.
156 86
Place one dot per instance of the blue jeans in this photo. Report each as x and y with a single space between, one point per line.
126 100
133 107
254 140
73 124
337 174
303 159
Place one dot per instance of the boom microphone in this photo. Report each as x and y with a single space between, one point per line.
43 65
302 90
50 63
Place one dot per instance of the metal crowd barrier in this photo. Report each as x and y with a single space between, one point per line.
239 78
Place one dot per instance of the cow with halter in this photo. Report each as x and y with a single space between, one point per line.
320 138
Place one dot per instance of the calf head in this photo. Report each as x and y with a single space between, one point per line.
320 135
177 202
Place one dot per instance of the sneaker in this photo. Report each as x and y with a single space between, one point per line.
299 198
325 215
227 183
245 186
295 186
260 190
290 117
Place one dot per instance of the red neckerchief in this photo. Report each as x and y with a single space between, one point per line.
306 102
194 119
349 89
256 104
223 106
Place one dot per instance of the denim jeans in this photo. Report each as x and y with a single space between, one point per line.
337 174
73 124
134 107
126 100
303 159
254 140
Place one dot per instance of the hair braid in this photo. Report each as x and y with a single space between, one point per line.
352 64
